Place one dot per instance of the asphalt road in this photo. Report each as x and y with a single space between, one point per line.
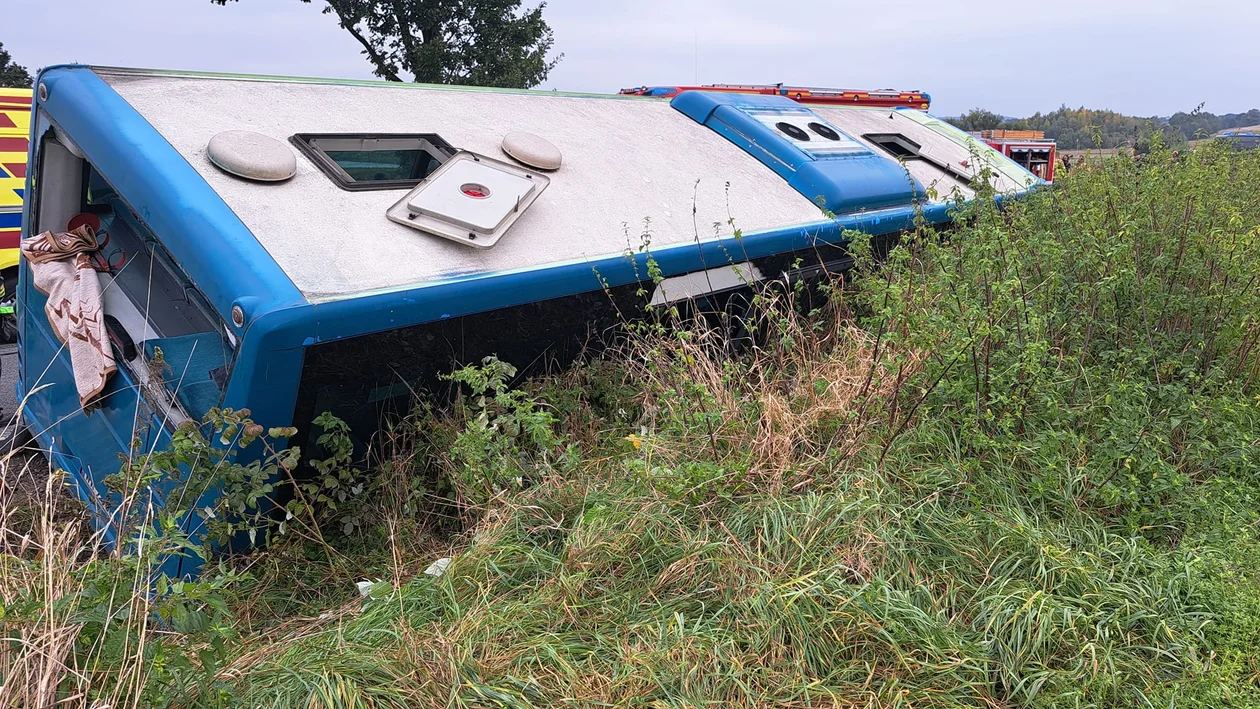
33 462
8 377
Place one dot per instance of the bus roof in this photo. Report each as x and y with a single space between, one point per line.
630 167
634 172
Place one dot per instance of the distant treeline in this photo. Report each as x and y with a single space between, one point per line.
1080 128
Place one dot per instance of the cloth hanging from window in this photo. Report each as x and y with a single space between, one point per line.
62 269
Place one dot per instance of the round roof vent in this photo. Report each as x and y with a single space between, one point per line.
795 131
252 156
824 130
532 150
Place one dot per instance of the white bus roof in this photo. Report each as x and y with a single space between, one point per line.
631 167
625 161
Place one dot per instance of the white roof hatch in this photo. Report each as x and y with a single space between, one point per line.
471 199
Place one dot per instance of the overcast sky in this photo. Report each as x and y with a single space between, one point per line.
1143 57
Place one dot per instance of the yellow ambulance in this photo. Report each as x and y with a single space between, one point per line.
15 130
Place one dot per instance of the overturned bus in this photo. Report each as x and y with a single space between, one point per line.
295 246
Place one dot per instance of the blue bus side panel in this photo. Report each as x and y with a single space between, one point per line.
88 447
207 241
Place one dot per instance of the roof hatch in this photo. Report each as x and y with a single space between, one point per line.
471 199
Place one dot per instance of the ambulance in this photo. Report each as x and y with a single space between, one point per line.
15 128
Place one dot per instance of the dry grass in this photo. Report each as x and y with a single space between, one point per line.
54 564
41 566
797 404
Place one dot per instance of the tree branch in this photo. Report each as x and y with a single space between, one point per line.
382 67
404 32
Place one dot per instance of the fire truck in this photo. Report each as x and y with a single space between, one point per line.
1030 148
884 98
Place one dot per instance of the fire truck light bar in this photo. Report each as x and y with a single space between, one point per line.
883 98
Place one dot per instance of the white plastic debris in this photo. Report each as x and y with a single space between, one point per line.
365 587
438 567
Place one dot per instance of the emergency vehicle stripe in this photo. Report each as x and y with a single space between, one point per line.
15 120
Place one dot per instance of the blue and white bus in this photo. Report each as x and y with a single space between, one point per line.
241 236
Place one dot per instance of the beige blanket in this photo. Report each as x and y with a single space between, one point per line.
62 270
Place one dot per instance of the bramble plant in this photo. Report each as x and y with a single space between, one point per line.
336 490
508 439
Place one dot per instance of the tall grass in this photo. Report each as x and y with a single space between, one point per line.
1009 465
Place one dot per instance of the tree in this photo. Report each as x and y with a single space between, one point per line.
474 42
11 74
978 119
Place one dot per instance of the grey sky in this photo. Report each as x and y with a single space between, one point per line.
1136 56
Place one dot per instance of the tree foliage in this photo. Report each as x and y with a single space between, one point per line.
978 119
1200 124
13 74
471 42
1081 128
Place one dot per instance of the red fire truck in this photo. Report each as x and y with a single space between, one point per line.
884 98
1029 148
